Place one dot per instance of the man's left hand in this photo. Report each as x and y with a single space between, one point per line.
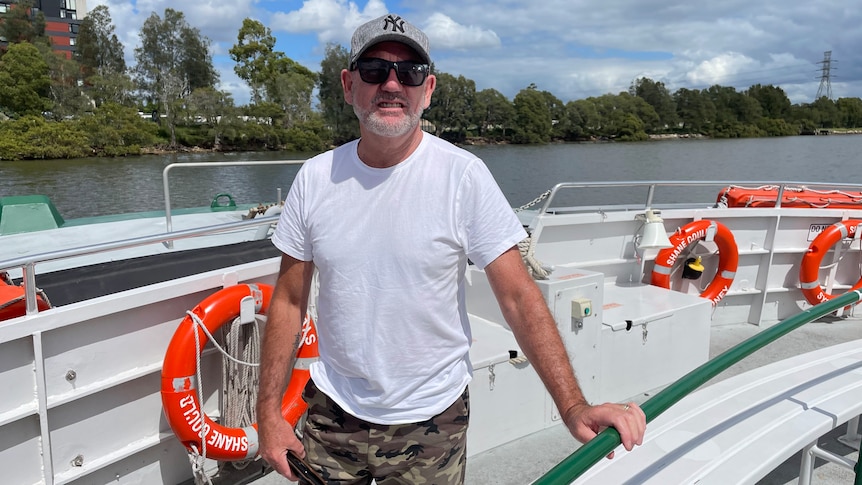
585 422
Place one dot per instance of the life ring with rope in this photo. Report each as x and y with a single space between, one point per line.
683 237
197 432
809 268
13 299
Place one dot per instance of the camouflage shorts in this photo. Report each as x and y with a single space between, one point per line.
348 450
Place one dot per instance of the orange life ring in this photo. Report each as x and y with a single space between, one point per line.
13 303
179 371
728 257
809 269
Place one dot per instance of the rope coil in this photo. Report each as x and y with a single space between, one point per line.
239 381
537 270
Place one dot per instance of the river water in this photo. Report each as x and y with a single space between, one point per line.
89 187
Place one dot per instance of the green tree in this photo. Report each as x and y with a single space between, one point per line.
31 137
623 116
115 130
452 106
657 96
253 54
214 108
571 126
826 113
493 113
97 47
695 110
111 87
774 102
851 112
533 116
306 136
586 114
777 127
20 24
736 115
273 77
197 61
338 116
67 96
559 120
291 88
24 81
172 60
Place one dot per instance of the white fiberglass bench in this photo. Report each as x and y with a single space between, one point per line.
740 429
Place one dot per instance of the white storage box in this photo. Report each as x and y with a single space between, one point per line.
507 398
650 337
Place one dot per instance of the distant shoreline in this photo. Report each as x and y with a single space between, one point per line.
823 132
478 141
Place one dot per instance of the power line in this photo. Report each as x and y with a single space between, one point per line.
741 79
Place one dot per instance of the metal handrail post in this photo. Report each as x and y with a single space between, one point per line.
650 195
29 279
779 196
167 189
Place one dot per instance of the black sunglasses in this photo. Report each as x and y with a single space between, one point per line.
375 71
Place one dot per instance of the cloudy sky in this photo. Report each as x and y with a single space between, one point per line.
572 48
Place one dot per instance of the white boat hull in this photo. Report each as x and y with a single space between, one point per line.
82 381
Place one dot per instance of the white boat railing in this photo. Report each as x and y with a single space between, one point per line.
652 186
27 264
166 175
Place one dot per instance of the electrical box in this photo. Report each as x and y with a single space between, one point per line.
571 293
582 307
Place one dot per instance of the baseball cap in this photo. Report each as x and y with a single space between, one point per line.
392 28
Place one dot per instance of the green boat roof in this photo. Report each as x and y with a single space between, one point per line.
27 213
31 213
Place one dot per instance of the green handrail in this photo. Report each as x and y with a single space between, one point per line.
588 455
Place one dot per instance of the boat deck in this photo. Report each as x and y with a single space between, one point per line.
522 461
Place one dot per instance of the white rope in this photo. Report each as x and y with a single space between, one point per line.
39 292
197 463
240 383
198 460
536 269
518 360
11 302
203 327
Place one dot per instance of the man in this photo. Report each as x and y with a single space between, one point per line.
390 221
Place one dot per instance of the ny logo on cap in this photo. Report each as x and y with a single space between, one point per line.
397 23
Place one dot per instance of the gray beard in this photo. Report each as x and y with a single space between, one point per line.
380 127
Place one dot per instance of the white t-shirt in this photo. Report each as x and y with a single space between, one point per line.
391 248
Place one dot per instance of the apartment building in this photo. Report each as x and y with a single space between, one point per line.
62 20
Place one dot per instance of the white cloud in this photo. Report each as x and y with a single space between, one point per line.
445 33
720 69
331 20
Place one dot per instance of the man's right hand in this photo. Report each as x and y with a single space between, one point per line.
276 437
